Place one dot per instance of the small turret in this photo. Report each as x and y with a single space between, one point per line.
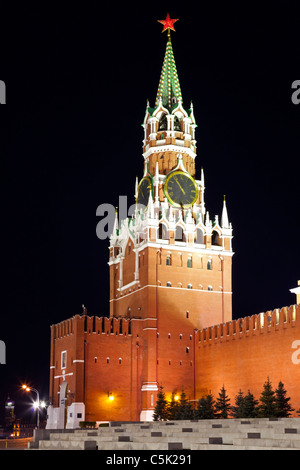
224 219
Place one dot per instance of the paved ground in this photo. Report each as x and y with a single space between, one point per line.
17 443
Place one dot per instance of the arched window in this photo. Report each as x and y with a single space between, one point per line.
163 123
209 264
162 232
189 286
199 236
168 260
179 234
215 239
177 125
189 262
169 284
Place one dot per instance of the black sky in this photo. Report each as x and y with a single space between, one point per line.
77 80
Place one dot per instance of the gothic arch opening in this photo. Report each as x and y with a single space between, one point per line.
163 124
199 236
177 124
179 236
215 239
162 232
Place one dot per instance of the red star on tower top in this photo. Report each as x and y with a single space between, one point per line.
168 23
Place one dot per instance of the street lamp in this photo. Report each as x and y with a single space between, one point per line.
37 404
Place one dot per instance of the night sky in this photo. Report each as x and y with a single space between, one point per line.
77 81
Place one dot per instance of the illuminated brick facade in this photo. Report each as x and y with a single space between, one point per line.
170 283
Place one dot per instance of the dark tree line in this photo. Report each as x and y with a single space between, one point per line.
271 404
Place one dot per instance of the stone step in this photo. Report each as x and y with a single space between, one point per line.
233 447
278 443
290 433
62 445
191 435
141 446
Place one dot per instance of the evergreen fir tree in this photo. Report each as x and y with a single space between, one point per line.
237 410
172 408
160 410
284 409
206 408
267 407
223 404
185 410
250 406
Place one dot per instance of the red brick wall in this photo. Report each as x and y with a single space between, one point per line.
104 356
113 367
240 354
243 353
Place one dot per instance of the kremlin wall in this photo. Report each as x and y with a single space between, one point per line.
241 354
105 357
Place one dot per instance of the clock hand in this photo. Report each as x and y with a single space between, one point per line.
179 185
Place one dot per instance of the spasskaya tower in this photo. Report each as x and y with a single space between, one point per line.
170 263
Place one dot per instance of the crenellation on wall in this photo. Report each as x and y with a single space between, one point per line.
93 324
264 322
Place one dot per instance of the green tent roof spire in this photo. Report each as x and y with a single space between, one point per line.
169 91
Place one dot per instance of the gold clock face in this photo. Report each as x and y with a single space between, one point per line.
144 189
180 189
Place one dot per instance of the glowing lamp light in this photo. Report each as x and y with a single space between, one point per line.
111 397
26 388
36 404
176 398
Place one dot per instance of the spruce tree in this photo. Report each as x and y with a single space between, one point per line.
172 408
250 406
223 404
206 408
267 407
185 409
284 409
237 410
160 410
